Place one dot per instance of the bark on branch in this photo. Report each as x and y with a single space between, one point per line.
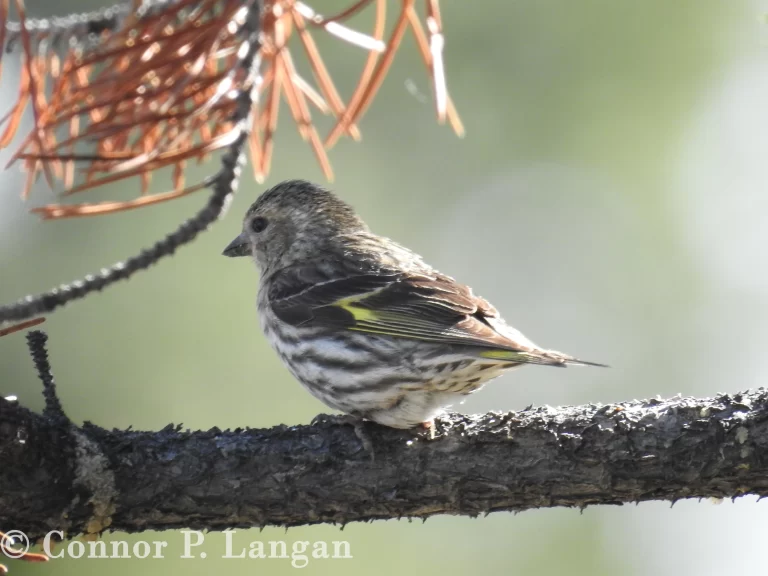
55 475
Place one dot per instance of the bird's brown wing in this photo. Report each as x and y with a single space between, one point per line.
425 306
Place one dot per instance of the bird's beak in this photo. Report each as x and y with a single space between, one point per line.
238 247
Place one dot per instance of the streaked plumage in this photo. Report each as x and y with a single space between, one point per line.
365 324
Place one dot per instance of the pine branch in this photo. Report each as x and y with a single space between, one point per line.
166 83
87 479
61 28
223 186
140 86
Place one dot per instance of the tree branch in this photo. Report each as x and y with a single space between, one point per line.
59 28
223 186
56 475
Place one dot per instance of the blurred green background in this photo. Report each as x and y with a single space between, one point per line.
609 199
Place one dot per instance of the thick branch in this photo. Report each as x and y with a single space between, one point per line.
55 475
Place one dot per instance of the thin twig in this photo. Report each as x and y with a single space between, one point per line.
36 340
21 326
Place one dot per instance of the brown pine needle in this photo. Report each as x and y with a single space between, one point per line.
302 117
52 211
343 15
365 77
300 113
426 53
157 88
436 43
311 94
35 93
18 328
321 74
353 114
271 112
347 34
13 116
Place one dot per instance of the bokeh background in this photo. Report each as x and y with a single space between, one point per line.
609 198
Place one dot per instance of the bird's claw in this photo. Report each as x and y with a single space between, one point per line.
330 418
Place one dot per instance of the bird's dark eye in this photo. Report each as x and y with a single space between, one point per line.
258 224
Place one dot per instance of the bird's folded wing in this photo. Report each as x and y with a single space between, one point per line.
430 307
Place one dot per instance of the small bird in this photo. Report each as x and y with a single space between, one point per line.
365 324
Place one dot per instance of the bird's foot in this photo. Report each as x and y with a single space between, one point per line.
347 419
330 418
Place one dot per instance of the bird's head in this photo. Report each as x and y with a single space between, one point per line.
291 222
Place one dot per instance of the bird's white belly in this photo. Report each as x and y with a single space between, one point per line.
392 386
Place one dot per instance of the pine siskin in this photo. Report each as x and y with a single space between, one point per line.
365 324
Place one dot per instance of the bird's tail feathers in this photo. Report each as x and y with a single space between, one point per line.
570 360
542 357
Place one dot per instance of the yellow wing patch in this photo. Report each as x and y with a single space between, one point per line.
358 313
373 319
500 355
